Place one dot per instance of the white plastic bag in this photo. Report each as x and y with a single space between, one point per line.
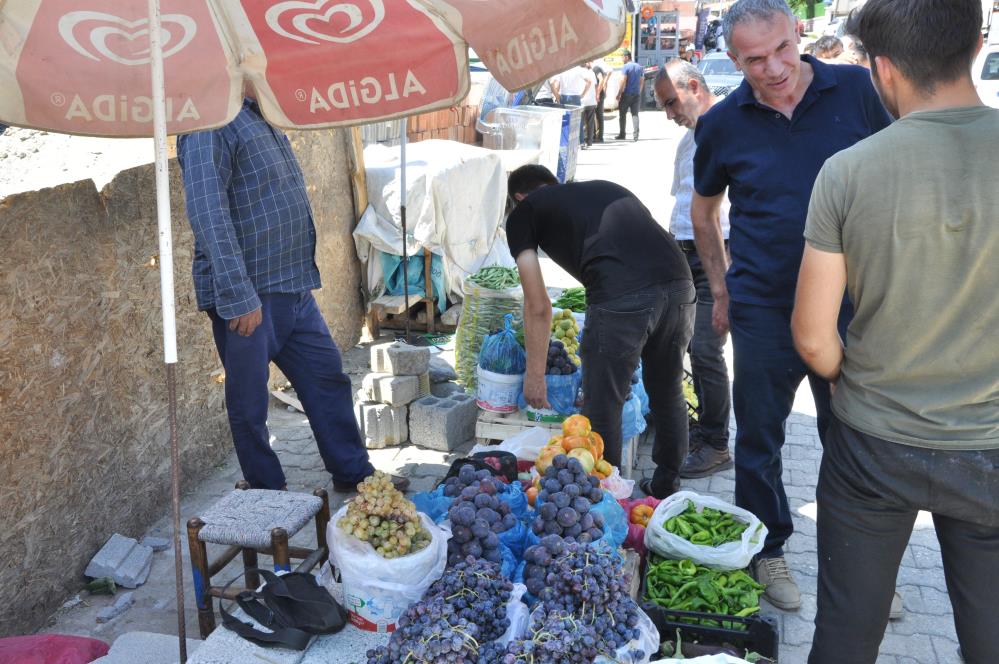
647 642
618 486
705 659
518 613
525 445
377 590
728 556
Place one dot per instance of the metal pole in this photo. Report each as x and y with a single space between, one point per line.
167 297
402 216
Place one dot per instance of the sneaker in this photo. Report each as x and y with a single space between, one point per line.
646 487
619 137
400 483
705 460
635 138
895 613
781 590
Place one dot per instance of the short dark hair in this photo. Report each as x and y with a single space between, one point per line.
527 178
929 41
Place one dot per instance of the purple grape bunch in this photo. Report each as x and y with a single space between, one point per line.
565 500
478 592
467 476
556 637
478 516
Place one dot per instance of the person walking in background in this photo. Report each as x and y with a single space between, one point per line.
589 103
916 406
764 144
602 73
254 272
629 96
685 96
640 305
828 49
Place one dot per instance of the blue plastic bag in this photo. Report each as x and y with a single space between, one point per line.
562 392
501 352
433 503
615 523
632 421
395 277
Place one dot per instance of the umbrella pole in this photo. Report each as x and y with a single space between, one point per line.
402 215
167 297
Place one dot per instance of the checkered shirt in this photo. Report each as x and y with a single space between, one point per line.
248 208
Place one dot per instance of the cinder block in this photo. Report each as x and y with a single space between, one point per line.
445 389
107 561
382 425
442 423
392 390
134 571
424 389
399 359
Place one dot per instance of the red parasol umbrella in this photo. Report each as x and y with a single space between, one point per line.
130 68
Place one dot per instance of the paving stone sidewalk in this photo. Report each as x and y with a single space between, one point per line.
924 635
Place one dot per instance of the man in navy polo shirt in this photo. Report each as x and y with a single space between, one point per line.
630 95
765 144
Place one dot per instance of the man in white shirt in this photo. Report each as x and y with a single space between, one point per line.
572 83
683 93
589 103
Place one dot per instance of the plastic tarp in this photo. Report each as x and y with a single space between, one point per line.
455 204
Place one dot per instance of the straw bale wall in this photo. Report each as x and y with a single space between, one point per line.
84 448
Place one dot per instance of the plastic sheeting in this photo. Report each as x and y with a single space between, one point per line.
455 204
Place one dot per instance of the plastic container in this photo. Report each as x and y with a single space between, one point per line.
498 393
569 145
757 634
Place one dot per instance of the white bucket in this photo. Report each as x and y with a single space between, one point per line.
498 393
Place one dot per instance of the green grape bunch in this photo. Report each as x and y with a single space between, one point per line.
382 516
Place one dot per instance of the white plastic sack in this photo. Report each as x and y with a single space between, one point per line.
525 445
729 556
618 486
518 613
706 659
377 590
647 642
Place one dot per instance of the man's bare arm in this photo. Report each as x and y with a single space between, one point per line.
537 327
705 213
821 282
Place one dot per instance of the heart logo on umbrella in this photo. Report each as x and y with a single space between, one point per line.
112 32
304 13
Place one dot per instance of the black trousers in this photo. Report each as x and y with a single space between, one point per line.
868 494
600 116
589 124
652 324
628 104
707 363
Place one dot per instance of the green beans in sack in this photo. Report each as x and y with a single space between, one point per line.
482 312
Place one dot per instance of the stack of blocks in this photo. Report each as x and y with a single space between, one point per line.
443 423
399 377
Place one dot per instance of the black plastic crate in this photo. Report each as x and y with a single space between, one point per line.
756 633
506 461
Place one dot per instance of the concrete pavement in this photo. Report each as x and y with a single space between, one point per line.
924 636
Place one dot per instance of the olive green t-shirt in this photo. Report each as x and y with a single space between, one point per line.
914 209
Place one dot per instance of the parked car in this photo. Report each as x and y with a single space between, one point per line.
720 73
985 74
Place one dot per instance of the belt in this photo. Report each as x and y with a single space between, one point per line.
688 246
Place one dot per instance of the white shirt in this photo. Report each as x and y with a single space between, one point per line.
572 81
590 96
680 223
544 92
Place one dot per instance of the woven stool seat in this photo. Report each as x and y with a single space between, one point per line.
246 517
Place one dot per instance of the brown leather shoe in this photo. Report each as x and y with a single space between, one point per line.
705 460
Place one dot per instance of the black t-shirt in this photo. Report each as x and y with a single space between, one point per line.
601 234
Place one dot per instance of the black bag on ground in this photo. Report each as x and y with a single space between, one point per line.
293 605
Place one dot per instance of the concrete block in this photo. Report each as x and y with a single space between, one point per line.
382 425
121 604
400 359
156 543
442 423
145 647
441 371
445 389
107 561
134 570
392 390
424 389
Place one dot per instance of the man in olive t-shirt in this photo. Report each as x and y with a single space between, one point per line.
908 221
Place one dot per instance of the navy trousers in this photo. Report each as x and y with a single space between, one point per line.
295 337
768 372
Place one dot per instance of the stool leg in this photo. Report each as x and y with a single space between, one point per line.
279 542
322 519
250 562
202 580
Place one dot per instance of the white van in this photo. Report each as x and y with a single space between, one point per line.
985 74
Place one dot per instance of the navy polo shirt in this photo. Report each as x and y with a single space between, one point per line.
769 164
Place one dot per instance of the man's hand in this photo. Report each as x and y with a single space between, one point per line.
536 391
246 324
719 316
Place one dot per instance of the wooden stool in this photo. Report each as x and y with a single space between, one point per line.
252 521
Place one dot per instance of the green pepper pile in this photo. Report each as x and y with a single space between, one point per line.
682 585
572 298
709 527
496 277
